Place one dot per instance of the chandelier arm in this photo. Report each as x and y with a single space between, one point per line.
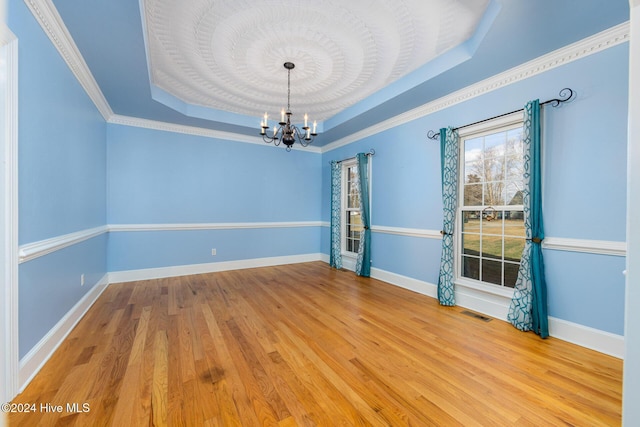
285 132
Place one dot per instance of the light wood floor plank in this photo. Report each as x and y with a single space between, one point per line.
307 345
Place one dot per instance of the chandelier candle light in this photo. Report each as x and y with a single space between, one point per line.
285 132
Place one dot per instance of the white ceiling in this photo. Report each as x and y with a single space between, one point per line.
229 54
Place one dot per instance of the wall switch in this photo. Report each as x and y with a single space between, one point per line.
82 279
213 251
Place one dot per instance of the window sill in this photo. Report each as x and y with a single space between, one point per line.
488 289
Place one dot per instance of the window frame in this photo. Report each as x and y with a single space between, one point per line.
346 165
499 124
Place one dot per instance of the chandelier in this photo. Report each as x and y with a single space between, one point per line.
285 132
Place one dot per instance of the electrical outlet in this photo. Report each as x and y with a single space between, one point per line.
213 251
82 279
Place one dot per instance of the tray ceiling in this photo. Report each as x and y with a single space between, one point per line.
228 55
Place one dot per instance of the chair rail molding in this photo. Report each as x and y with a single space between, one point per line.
44 247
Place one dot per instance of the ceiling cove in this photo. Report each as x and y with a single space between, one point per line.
223 60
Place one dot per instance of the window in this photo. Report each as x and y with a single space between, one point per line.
491 233
352 224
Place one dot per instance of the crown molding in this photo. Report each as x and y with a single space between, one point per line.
197 131
585 47
51 22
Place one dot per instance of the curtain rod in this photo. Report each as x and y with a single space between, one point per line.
554 103
371 152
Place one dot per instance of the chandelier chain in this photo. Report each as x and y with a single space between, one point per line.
284 132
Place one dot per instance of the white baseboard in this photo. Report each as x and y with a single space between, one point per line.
33 361
595 339
415 285
497 307
212 267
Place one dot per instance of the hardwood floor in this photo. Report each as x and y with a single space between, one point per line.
308 345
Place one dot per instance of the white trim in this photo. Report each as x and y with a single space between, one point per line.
40 248
590 45
198 131
184 270
33 361
492 303
631 373
595 339
44 247
211 226
415 285
413 232
349 261
51 22
9 287
600 247
497 306
502 123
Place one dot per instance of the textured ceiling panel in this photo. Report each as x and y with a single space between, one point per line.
229 55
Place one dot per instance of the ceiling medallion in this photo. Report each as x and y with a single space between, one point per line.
285 132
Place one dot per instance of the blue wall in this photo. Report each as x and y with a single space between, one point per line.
584 184
76 172
62 180
157 177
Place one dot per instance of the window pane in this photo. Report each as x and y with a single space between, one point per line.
491 222
513 192
353 201
352 245
471 244
491 246
473 172
471 267
510 274
354 220
514 223
471 221
513 248
494 193
473 195
473 149
491 271
353 228
495 144
494 169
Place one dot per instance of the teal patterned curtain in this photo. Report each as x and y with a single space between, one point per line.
528 310
449 162
363 263
335 254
